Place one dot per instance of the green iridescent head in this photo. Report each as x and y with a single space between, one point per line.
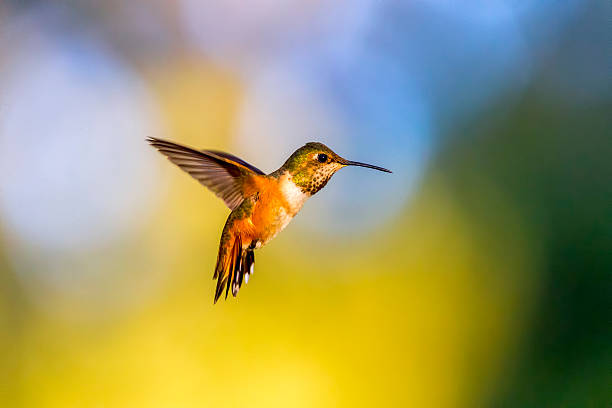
312 165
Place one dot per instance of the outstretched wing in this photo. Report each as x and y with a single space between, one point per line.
224 174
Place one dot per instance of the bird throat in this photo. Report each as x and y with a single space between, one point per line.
294 195
311 181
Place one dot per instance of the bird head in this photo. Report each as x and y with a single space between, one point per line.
312 165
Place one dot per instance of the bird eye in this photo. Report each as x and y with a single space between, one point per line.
322 158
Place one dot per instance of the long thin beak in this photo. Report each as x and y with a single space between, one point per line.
369 166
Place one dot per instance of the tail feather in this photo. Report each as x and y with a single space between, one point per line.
249 264
233 266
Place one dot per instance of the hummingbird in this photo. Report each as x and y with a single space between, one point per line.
261 205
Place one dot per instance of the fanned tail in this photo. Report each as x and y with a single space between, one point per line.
234 265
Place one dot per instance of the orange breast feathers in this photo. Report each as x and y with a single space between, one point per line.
270 214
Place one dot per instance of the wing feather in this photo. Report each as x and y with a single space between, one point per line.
224 174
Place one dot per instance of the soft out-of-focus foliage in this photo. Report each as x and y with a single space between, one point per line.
478 274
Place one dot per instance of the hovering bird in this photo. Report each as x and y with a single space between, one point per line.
262 204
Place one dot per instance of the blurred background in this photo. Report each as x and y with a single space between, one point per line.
477 275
